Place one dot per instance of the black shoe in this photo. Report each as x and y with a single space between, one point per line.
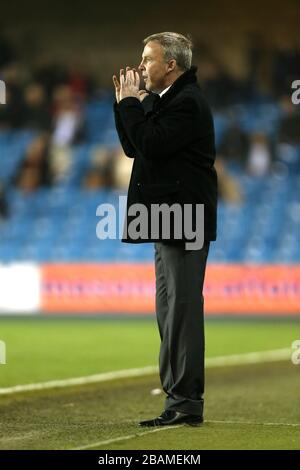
169 417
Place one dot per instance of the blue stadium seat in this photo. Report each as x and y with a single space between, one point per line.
59 223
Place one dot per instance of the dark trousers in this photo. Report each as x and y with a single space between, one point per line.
179 309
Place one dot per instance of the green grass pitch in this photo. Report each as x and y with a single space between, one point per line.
247 406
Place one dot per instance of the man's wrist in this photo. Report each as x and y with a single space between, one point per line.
129 98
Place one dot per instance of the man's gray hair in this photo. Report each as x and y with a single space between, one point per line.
176 46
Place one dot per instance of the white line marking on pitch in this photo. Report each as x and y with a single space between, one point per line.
125 438
133 436
221 361
215 421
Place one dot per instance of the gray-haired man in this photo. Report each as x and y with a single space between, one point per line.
168 130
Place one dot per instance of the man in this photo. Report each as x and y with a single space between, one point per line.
168 130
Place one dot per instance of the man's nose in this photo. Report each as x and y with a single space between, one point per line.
141 67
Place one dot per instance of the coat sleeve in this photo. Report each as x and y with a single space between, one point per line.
161 136
127 146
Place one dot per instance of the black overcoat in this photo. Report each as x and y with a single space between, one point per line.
172 142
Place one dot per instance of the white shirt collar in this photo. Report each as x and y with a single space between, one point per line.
164 91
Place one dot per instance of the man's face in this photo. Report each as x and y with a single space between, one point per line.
153 67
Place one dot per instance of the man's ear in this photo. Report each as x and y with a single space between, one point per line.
171 65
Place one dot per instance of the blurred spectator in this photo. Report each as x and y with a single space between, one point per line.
229 189
3 203
218 86
260 155
286 67
7 51
80 81
252 152
36 113
122 170
288 142
289 127
94 179
34 171
68 129
258 60
49 75
234 145
254 54
68 119
11 115
101 172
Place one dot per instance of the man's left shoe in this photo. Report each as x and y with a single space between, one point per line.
169 418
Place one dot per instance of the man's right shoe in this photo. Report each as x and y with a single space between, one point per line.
170 417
